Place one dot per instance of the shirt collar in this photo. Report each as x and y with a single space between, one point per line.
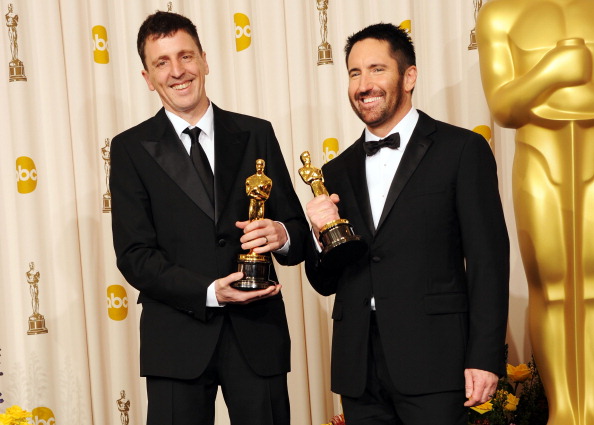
405 127
206 123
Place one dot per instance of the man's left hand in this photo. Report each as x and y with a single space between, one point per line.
480 386
262 235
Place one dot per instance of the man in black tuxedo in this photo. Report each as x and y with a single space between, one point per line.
420 319
177 237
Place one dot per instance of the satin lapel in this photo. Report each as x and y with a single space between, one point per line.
417 146
230 144
168 151
355 166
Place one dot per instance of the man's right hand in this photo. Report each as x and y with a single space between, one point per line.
226 294
321 210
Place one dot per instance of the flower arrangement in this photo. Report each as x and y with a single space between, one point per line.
519 400
336 420
15 416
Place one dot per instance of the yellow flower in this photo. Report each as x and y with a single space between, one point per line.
511 403
483 408
518 373
14 416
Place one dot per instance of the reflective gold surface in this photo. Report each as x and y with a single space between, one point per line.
536 68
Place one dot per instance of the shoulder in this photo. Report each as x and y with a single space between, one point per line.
241 121
143 130
440 131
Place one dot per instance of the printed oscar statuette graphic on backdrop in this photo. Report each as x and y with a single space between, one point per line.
105 154
124 408
36 320
477 6
255 267
169 6
324 49
340 244
16 69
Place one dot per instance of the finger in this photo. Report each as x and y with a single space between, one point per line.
468 384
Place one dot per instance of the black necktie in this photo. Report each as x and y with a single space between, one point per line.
200 161
392 142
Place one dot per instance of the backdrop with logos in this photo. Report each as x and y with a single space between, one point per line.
70 78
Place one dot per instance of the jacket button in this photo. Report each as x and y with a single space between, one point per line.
222 242
376 259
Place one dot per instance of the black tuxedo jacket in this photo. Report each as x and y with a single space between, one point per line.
437 264
171 243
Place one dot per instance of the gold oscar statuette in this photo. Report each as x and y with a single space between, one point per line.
255 267
340 244
536 60
36 320
16 69
324 49
105 154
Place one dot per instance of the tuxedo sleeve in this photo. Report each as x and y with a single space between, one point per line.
486 249
144 265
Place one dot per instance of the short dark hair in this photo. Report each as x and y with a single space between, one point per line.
401 46
164 24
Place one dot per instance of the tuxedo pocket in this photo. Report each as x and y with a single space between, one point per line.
337 311
455 302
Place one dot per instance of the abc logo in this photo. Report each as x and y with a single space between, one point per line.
406 26
43 416
330 149
26 174
243 32
483 130
100 52
117 302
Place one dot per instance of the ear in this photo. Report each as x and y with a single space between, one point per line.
145 74
410 78
206 70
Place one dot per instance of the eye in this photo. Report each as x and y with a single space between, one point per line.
354 74
377 69
187 58
160 64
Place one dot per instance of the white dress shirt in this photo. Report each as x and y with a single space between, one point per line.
206 140
380 168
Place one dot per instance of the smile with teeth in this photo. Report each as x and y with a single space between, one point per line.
371 99
181 86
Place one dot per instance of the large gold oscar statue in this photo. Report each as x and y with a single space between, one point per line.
536 68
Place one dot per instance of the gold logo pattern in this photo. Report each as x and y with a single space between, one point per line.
26 174
330 149
43 416
36 320
117 302
16 69
124 408
105 154
324 49
243 32
100 46
477 6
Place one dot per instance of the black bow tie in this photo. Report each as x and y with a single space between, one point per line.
392 142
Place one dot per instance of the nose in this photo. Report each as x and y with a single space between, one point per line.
177 69
365 83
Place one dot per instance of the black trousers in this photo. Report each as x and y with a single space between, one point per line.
382 404
251 399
